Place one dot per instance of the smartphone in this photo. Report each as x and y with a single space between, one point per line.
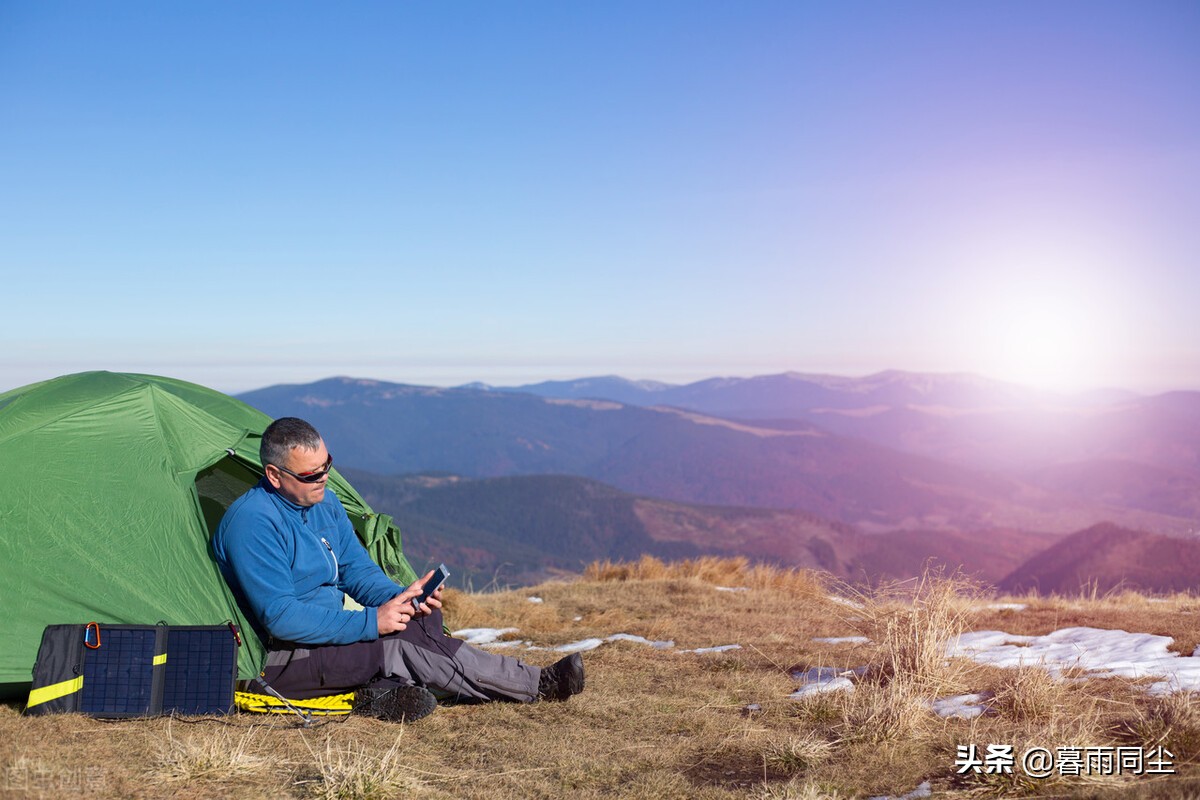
437 579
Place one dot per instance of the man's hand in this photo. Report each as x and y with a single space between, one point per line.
433 601
394 615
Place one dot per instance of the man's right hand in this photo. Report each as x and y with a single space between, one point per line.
394 615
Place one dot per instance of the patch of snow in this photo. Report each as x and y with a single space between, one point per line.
732 588
719 649
581 646
844 601
821 679
924 790
1100 652
488 637
842 639
625 637
835 685
535 600
816 674
1006 606
963 706
479 636
592 643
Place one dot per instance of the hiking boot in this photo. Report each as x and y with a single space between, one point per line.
395 703
563 679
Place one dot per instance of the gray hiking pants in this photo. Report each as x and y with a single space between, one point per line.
420 654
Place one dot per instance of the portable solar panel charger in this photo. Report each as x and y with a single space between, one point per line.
135 670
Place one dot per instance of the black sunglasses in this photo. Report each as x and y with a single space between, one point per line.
308 477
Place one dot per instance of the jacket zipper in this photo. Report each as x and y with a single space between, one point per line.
329 547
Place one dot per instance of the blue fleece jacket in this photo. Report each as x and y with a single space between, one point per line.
289 565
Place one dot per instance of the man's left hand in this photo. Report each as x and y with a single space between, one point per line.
433 601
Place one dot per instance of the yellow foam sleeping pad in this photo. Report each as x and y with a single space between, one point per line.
330 705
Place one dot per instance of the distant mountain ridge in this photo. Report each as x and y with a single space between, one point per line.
865 478
673 454
1072 444
785 394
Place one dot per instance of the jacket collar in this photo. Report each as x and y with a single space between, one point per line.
280 499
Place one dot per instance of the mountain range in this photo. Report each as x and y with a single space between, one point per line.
932 461
526 529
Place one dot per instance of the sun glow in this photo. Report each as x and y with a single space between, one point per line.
1045 341
1048 323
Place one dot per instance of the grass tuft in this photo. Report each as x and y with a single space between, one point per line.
1028 693
895 711
1171 721
914 623
220 755
354 772
796 755
796 790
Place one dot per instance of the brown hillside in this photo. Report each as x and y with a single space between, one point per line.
986 556
1106 557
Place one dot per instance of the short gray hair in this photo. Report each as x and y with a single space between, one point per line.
284 435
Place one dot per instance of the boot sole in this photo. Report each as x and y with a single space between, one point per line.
402 704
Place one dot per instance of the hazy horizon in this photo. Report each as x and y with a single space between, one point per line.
515 379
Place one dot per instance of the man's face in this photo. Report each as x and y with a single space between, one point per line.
301 461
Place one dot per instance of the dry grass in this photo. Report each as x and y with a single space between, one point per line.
728 572
356 772
221 755
914 623
663 723
1171 721
1028 693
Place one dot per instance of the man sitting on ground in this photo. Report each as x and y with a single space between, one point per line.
289 553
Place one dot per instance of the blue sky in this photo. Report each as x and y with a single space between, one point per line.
254 193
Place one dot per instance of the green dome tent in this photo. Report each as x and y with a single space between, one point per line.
111 485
